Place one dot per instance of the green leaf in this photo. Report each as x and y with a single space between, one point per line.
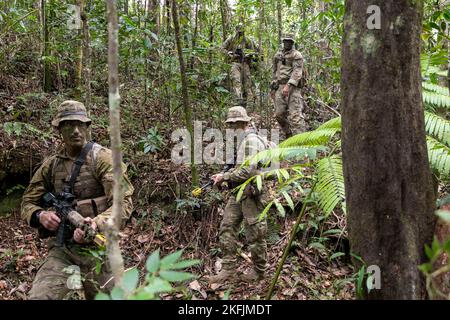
279 208
143 295
130 279
153 261
158 285
359 282
184 264
259 182
317 245
167 261
425 268
174 276
337 255
117 294
443 214
288 200
102 296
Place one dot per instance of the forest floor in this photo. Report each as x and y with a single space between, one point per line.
165 217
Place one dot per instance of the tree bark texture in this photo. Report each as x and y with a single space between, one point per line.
389 191
184 89
113 224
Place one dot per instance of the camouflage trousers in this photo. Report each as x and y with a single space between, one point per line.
62 271
247 210
237 82
289 111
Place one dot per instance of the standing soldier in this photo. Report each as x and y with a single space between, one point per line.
246 209
241 51
83 169
286 88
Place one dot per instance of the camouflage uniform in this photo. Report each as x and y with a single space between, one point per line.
288 69
233 43
247 209
93 189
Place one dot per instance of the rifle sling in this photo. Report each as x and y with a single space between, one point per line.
79 163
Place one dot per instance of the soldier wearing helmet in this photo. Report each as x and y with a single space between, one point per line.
246 209
287 73
241 52
92 188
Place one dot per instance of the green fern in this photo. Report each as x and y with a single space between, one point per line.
330 183
437 99
438 156
320 136
435 88
437 127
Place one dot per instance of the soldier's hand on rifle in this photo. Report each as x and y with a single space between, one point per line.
217 178
78 234
286 90
49 220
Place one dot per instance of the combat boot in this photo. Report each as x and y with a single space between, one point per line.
252 276
223 276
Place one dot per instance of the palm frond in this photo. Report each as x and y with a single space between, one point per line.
268 156
438 156
330 183
437 127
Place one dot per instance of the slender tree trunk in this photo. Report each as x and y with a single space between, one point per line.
194 37
389 190
167 6
79 58
184 88
46 48
223 14
113 224
279 21
86 55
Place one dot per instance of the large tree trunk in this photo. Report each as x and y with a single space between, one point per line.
113 224
389 189
184 89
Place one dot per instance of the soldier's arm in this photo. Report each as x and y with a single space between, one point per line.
39 185
104 172
297 71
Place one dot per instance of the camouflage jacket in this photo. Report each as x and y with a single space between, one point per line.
234 42
250 145
287 67
95 179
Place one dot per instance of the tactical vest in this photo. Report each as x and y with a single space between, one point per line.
285 62
88 190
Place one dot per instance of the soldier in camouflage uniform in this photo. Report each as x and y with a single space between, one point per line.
93 192
286 88
240 65
247 209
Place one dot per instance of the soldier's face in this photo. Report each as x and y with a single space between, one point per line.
288 44
74 133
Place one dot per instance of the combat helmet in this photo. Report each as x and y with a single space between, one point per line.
288 36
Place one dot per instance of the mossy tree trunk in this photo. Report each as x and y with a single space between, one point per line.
389 190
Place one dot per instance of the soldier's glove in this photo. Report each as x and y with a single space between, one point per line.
274 85
231 54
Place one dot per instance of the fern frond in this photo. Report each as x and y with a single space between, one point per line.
267 156
435 88
438 156
320 136
437 127
436 99
330 183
